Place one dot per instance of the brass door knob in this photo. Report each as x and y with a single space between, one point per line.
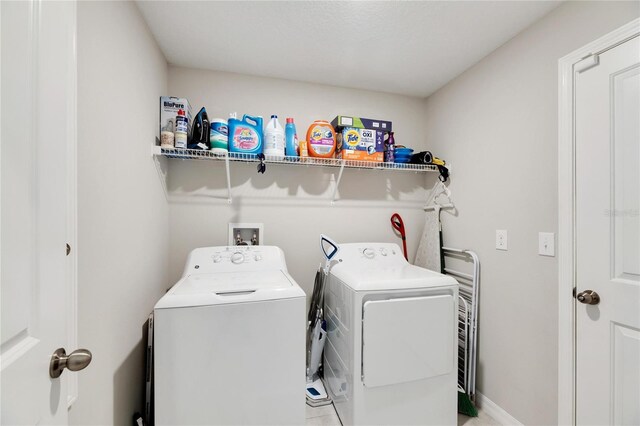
75 361
588 297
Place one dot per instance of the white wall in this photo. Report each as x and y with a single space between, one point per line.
292 202
497 123
123 215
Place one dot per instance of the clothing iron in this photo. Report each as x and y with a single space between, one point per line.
200 131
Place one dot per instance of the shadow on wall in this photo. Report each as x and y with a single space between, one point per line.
202 179
129 379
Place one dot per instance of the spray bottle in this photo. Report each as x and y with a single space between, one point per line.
391 147
181 129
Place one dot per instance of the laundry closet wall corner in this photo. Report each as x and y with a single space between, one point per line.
123 217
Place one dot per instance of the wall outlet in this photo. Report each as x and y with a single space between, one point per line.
246 234
546 244
501 239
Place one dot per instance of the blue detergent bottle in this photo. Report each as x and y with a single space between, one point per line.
291 138
245 136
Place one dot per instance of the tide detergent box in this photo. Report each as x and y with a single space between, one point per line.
361 123
169 106
360 144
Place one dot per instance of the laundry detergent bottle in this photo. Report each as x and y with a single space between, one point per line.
291 138
245 136
274 139
321 139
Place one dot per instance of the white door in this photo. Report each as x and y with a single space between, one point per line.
37 118
608 238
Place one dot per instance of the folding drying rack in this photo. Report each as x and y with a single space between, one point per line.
467 317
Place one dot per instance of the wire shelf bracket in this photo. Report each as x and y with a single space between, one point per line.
335 189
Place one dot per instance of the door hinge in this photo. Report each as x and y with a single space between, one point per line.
587 63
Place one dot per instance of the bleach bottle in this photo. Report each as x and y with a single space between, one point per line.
274 139
245 136
291 138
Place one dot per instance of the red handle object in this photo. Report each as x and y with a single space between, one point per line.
398 225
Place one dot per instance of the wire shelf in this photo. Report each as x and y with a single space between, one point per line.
196 154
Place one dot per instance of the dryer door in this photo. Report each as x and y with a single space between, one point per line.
407 339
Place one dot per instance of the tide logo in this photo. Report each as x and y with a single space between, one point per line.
352 137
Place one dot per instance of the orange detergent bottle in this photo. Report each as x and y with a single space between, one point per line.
321 139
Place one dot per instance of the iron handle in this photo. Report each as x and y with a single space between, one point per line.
588 297
75 361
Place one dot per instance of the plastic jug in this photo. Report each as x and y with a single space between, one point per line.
245 136
274 139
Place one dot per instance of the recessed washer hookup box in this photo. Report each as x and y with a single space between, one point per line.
361 123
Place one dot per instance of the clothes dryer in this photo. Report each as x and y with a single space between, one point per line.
391 351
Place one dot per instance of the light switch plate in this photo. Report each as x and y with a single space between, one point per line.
546 244
501 239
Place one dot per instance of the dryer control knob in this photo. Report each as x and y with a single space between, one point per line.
257 257
237 257
217 258
383 251
369 253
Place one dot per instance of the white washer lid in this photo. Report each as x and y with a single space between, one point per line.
230 287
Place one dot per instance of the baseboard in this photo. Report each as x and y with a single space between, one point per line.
496 412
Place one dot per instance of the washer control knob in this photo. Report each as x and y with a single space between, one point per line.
237 257
369 253
257 257
217 258
383 251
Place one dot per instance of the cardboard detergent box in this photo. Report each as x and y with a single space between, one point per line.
361 123
169 107
360 144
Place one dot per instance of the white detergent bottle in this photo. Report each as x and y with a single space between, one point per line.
274 139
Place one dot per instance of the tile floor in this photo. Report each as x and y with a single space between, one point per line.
482 420
322 416
326 416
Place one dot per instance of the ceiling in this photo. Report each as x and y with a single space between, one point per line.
409 48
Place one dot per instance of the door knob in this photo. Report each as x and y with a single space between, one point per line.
588 297
75 361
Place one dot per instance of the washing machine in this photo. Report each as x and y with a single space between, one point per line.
391 352
229 341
